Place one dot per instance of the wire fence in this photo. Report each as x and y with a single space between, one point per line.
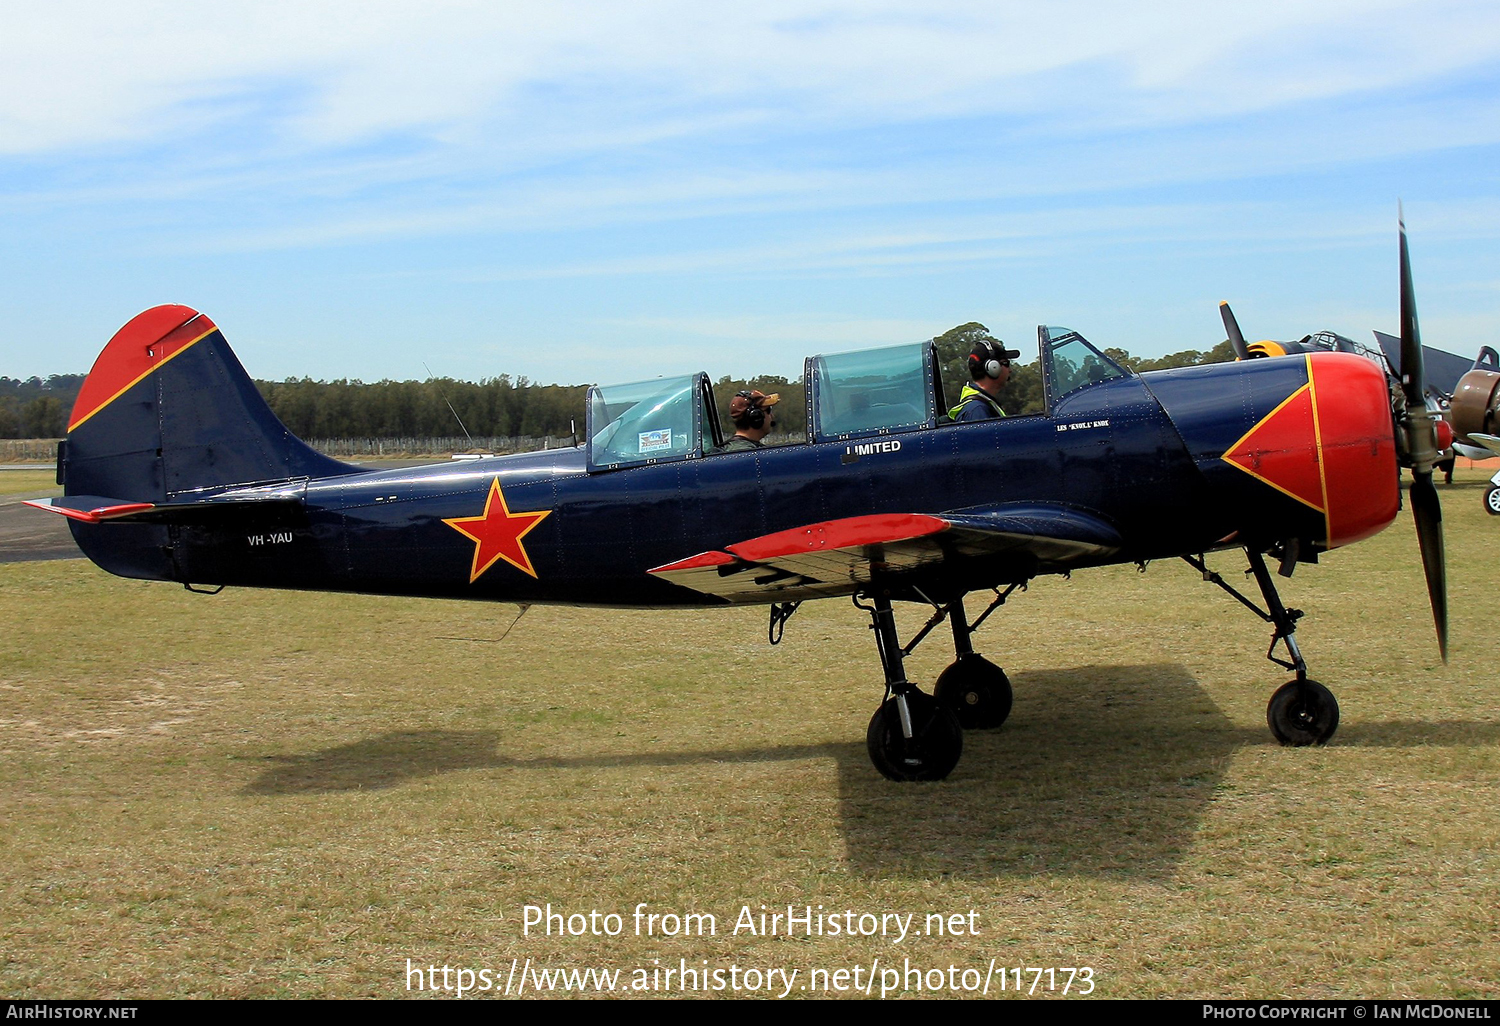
399 447
28 450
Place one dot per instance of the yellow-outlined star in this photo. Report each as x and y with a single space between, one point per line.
497 534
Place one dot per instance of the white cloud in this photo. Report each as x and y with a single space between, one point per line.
470 74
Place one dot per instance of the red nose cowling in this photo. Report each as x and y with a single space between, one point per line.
1331 446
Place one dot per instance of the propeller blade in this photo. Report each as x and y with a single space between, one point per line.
1413 379
1428 513
1236 337
1421 440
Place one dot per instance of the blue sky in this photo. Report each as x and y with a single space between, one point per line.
603 192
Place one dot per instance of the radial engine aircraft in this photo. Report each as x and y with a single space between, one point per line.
175 469
1474 410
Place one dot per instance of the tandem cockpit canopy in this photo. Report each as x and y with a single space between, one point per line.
850 395
874 391
885 391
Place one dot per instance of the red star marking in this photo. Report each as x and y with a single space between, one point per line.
497 534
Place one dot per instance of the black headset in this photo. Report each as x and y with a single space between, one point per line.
754 415
988 366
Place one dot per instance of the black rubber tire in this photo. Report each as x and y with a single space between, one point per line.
1303 713
937 739
977 690
1492 500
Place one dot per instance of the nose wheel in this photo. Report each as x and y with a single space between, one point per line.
1303 712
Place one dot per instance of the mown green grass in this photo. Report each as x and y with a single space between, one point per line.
284 794
28 484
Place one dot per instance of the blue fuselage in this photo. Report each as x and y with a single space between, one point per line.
1142 453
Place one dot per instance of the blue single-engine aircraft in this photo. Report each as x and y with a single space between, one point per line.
175 469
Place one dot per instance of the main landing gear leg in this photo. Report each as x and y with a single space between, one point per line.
1302 711
912 735
976 688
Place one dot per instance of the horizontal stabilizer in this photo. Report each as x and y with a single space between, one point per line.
96 509
836 557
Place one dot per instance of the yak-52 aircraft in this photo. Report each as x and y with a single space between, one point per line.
175 469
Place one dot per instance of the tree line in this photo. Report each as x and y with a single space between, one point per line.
1023 392
38 408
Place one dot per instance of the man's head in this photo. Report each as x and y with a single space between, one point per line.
753 413
989 363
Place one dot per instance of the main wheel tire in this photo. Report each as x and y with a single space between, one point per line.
1492 500
977 690
932 751
1303 712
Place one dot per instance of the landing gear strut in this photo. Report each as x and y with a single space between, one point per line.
1302 711
912 735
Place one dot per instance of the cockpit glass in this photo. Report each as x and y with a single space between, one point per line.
874 391
1072 362
643 422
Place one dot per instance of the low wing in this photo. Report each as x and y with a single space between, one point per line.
837 557
1490 442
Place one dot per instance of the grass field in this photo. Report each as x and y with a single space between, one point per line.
29 483
282 794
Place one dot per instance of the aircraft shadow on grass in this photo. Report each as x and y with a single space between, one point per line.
1102 770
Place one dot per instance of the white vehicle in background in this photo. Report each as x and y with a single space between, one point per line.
1491 444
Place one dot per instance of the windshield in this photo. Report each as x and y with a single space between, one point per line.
1070 362
643 422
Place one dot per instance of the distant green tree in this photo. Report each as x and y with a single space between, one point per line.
1021 394
37 407
791 409
43 417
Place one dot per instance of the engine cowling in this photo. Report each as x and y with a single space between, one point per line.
1476 402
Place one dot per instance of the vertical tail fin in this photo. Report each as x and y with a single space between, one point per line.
168 410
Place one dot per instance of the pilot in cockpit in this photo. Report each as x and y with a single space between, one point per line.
754 415
989 370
